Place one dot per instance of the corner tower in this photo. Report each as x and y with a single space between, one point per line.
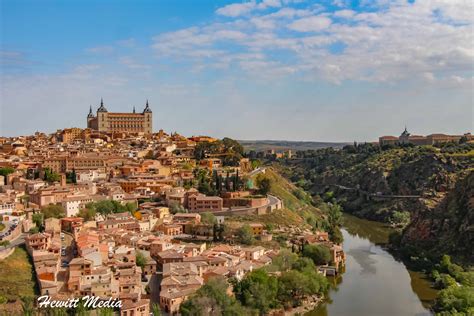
147 119
102 118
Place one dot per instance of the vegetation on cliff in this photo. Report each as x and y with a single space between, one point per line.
366 178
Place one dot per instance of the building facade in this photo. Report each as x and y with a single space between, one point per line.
419 140
110 122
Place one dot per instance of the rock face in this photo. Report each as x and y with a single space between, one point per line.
434 186
356 178
448 227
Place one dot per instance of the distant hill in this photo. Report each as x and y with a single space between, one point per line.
281 145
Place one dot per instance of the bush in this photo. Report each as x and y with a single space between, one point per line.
318 253
245 235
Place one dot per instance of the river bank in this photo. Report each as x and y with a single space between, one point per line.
375 282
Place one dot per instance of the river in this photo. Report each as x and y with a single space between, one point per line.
374 282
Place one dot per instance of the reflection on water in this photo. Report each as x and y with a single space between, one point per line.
374 283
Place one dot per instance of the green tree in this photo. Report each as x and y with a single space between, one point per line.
212 299
455 300
294 286
87 214
51 176
264 184
208 218
335 215
140 259
245 235
400 218
155 309
38 219
175 207
304 264
53 210
257 290
34 230
284 260
318 253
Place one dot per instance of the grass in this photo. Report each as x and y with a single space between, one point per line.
295 211
17 278
283 217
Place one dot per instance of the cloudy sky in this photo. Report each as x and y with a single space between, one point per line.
331 70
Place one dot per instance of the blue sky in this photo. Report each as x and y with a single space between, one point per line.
330 70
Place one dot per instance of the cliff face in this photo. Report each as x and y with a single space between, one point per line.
357 177
430 189
447 227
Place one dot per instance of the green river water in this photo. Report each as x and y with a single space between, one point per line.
374 282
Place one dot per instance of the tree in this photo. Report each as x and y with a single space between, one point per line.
140 259
304 264
236 181
109 206
400 218
257 290
87 214
212 299
335 214
34 230
208 218
318 253
51 176
53 210
155 309
284 260
175 207
456 300
38 219
71 177
264 184
227 182
295 285
245 235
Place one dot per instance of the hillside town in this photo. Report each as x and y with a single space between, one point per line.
118 212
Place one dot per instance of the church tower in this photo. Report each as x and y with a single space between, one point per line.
91 119
148 119
102 118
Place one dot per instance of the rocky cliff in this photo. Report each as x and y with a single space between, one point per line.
446 227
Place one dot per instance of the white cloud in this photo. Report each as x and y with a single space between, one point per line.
237 9
132 63
344 13
310 24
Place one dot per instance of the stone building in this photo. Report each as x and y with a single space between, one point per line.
109 122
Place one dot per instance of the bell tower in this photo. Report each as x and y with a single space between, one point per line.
148 119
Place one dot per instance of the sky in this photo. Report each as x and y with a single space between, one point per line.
330 70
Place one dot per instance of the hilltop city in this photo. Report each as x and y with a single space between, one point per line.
117 211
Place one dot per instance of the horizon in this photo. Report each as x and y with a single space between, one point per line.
251 70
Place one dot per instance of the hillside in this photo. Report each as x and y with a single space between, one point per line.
357 175
17 282
298 209
449 227
427 188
